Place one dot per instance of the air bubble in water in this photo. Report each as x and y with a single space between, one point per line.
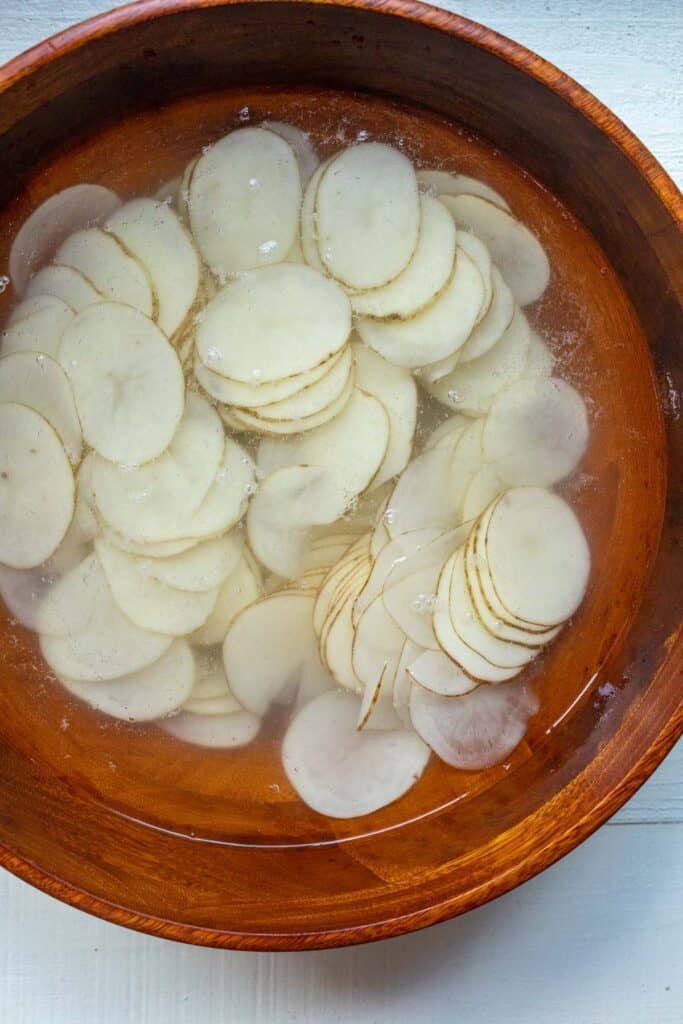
454 396
244 114
213 354
363 135
268 247
4 281
389 516
254 183
256 374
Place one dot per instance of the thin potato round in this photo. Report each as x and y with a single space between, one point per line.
240 589
218 732
66 284
38 381
497 320
41 330
440 183
254 396
301 144
109 268
436 672
314 398
240 419
395 388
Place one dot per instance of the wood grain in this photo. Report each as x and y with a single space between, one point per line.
451 861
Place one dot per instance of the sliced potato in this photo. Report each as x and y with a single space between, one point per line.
38 381
483 488
68 606
63 213
254 396
37 492
228 496
425 275
109 268
240 589
517 252
301 144
410 604
395 388
273 323
474 731
536 432
212 706
472 386
308 220
152 233
258 671
393 553
336 642
314 398
466 460
498 317
127 381
438 330
315 680
359 250
66 284
440 183
34 304
447 433
377 644
24 590
539 360
438 673
240 419
352 446
147 602
147 693
423 496
224 732
344 773
40 330
480 256
203 567
377 710
244 197
400 694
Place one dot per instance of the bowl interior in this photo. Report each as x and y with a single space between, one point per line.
219 841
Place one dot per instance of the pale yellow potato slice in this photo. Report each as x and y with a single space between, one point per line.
377 709
147 693
517 252
400 694
393 553
67 211
23 591
168 190
395 388
244 198
218 732
301 144
359 250
109 268
342 772
241 420
34 304
254 396
423 496
447 433
37 491
315 398
336 641
480 256
498 317
153 234
64 283
273 323
483 488
203 567
240 589
352 446
426 273
466 461
38 381
40 330
307 220
438 673
410 603
127 381
227 499
440 183
539 360
377 644
438 330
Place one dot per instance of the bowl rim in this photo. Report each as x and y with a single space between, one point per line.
581 100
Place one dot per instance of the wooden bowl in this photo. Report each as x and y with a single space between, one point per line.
215 848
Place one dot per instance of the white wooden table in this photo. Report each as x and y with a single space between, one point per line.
598 938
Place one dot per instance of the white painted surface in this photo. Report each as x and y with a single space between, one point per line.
598 938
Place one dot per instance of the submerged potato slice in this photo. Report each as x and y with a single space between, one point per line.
315 398
438 330
423 496
395 388
474 731
236 729
440 183
240 419
24 590
40 330
517 252
498 317
67 211
438 673
344 773
152 233
244 197
273 323
127 381
66 284
36 488
240 589
301 144
38 381
109 268
254 396
425 275
203 567
147 693
361 250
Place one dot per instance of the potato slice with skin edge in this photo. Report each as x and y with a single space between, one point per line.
212 705
252 177
393 553
145 694
403 683
325 551
466 461
472 387
39 236
239 419
148 503
377 644
258 672
218 732
241 588
168 190
239 338
424 277
536 432
395 388
153 234
477 730
438 330
428 556
77 540
377 710
307 220
227 499
337 641
161 549
203 567
344 773
127 381
360 251
501 653
410 603
38 382
37 491
422 496
313 398
548 553
440 183
484 487
183 194
35 304
110 269
452 644
148 603
302 147
480 256
352 446
254 396
66 284
333 580
497 320
436 672
517 252
40 331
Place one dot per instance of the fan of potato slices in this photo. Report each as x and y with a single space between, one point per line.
214 495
